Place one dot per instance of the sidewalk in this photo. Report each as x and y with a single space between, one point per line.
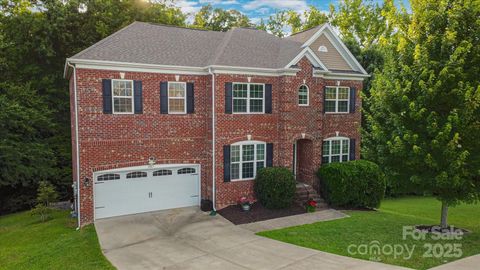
296 220
469 263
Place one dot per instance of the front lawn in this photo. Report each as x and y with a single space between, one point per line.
386 226
26 243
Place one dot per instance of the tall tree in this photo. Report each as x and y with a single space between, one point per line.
218 19
35 39
313 17
425 114
277 22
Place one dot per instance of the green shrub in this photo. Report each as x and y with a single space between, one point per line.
46 194
275 187
357 183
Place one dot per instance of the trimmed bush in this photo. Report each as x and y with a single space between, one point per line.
356 184
275 187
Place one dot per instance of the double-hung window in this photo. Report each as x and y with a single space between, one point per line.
336 149
177 103
248 98
337 99
122 95
246 159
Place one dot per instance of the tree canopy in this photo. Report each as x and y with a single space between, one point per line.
425 103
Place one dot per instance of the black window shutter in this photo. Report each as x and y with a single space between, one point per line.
107 96
226 163
190 98
268 98
163 98
352 149
269 154
324 96
228 97
352 99
138 97
321 156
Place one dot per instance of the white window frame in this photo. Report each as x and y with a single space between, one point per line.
341 148
337 99
308 96
184 98
248 98
132 97
255 160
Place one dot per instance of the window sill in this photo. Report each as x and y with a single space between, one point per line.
242 180
337 113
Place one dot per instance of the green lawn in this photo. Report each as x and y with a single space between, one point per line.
26 243
385 226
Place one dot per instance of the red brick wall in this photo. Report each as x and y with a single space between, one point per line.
115 141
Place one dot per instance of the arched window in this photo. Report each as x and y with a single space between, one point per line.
136 175
108 176
335 149
162 172
322 48
246 158
303 95
186 171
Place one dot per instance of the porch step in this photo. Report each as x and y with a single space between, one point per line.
305 192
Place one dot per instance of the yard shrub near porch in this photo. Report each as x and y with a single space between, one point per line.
356 184
275 187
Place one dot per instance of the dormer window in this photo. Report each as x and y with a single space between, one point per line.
322 49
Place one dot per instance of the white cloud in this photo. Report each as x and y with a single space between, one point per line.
187 6
263 10
219 2
297 5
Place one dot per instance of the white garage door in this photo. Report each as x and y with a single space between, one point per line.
142 189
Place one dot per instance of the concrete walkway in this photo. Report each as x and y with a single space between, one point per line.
187 238
469 263
296 220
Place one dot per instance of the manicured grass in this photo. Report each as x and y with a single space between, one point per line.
26 243
386 227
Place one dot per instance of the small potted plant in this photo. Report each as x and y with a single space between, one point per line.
244 203
311 205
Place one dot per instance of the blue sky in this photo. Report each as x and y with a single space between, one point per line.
257 9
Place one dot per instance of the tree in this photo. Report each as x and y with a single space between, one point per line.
425 114
46 195
26 154
220 19
35 39
277 22
313 17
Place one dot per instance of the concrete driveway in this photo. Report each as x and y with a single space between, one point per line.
187 238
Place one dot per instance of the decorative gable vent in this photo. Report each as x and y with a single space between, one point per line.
322 49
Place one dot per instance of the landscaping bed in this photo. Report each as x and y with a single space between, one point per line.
236 215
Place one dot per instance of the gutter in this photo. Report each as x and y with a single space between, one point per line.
77 145
214 191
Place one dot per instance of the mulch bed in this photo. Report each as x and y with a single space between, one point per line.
257 212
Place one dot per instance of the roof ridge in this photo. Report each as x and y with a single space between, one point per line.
223 45
103 40
178 26
291 35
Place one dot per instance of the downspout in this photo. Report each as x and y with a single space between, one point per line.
77 145
214 192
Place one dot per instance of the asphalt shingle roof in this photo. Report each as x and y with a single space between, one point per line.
149 43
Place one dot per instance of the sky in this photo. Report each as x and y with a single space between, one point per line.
257 9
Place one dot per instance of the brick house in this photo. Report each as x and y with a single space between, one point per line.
163 117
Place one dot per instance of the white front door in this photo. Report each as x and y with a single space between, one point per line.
142 189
